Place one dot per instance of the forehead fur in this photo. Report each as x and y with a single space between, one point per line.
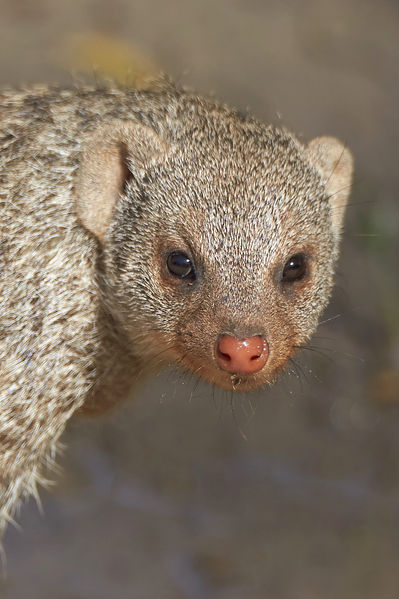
249 185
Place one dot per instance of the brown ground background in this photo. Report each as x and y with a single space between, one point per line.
166 499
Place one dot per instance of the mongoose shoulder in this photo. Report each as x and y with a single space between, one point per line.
140 228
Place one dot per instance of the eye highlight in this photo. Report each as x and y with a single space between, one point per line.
180 265
295 268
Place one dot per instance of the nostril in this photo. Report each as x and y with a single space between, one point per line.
255 357
224 355
243 356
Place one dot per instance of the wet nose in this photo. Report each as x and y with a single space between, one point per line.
241 356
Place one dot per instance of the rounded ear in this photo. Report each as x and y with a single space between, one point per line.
334 162
114 153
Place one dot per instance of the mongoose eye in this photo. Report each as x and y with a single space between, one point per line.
180 265
294 269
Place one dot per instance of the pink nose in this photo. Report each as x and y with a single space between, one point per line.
241 356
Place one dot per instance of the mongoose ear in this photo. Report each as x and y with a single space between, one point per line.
335 163
114 153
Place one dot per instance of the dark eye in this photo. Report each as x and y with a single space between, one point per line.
294 269
180 265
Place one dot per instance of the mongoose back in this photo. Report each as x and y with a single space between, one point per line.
140 228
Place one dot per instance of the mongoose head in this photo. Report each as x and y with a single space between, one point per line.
219 237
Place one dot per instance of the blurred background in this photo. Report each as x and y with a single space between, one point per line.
292 492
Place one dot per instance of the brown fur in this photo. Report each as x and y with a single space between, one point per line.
96 185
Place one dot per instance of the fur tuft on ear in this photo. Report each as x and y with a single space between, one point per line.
113 153
334 162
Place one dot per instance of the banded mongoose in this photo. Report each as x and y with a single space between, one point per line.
140 228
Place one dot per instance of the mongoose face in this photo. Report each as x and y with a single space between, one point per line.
223 244
141 228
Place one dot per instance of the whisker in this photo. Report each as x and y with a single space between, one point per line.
322 338
234 415
300 370
249 414
296 372
318 353
221 404
196 383
330 319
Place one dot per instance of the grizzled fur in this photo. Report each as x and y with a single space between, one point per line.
96 187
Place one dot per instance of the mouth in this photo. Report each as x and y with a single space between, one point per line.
239 382
226 380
